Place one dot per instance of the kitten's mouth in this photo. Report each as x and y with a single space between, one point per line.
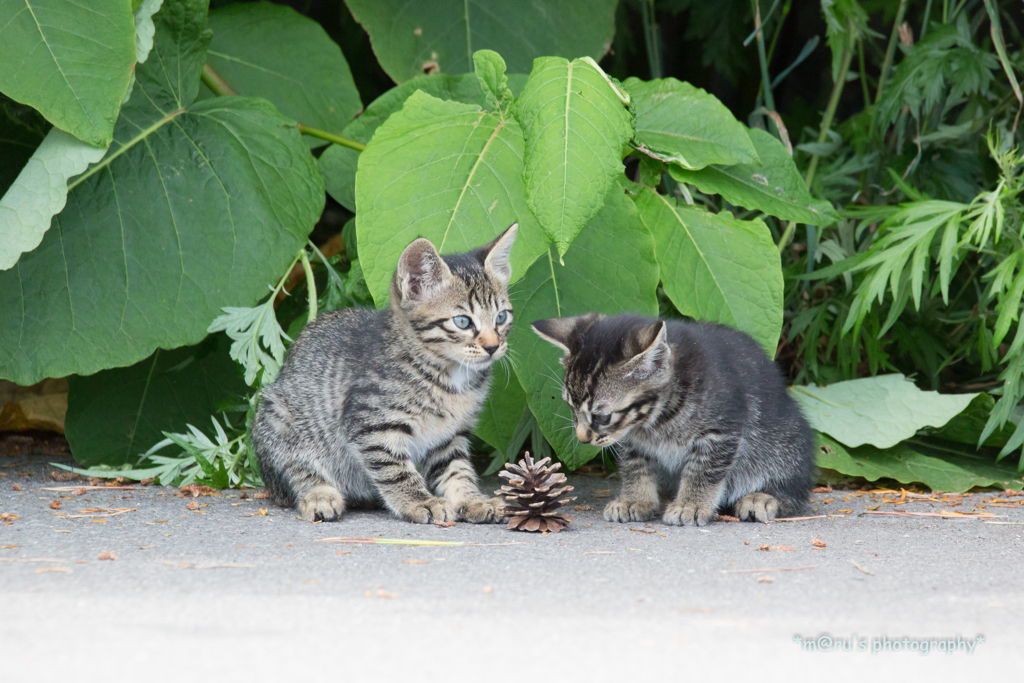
605 440
485 358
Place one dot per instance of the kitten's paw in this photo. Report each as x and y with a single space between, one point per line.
688 514
483 511
322 502
429 510
626 510
759 507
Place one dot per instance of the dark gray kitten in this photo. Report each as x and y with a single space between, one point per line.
696 404
364 396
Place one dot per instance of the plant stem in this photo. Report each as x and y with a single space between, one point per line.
220 87
215 82
863 75
651 37
310 287
766 83
927 16
331 137
890 50
778 30
833 102
787 235
826 124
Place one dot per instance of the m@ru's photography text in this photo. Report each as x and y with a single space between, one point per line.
879 644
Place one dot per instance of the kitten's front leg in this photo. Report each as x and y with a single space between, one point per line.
402 487
638 499
703 478
449 472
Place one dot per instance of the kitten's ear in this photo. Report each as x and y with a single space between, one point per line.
497 261
653 351
559 330
555 330
421 271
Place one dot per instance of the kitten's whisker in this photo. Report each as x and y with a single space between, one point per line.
508 372
560 383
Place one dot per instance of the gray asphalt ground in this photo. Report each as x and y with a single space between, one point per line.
224 592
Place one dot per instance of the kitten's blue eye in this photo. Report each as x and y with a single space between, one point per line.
462 322
502 317
600 420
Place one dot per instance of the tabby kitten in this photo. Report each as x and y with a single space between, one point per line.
697 406
364 396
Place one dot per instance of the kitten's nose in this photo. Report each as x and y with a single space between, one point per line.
491 349
583 433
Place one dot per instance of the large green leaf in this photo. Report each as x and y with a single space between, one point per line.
881 411
115 415
195 207
40 190
414 38
503 408
676 122
938 468
273 52
446 171
968 425
774 187
611 268
338 163
717 268
70 60
576 125
21 131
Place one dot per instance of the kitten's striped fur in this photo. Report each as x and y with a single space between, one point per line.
696 406
365 396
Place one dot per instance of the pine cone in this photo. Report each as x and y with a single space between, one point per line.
532 495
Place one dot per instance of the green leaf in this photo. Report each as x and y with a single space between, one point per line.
907 239
938 468
257 340
946 55
676 122
881 411
775 187
413 39
503 409
490 71
74 61
338 163
446 171
194 207
717 268
968 426
575 126
841 18
611 268
273 52
40 190
116 415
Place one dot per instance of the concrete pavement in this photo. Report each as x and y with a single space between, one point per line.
224 592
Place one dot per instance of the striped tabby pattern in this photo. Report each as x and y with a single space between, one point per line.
364 396
696 407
